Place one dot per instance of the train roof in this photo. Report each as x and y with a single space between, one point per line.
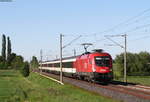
73 58
66 59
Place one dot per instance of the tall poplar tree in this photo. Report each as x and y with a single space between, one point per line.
8 50
4 47
34 62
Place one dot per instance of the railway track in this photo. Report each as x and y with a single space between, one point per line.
119 91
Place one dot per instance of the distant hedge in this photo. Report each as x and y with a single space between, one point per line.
137 63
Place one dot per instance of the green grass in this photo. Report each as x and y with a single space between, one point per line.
143 80
15 88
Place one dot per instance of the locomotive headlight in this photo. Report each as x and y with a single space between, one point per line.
94 69
111 70
103 70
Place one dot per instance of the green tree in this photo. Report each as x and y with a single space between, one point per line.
11 61
118 65
2 63
137 64
25 69
12 57
144 58
8 51
1 59
34 62
4 47
17 62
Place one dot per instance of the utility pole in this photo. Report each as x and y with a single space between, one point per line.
56 56
74 51
125 51
125 58
61 73
61 48
41 55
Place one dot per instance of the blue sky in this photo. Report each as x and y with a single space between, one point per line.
36 24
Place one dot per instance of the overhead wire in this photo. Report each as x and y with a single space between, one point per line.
132 18
126 23
71 42
141 38
122 23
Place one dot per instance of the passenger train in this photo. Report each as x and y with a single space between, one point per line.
91 66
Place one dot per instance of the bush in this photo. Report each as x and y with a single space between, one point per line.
34 63
3 65
137 64
25 69
17 62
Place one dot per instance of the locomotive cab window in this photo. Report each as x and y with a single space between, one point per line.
103 61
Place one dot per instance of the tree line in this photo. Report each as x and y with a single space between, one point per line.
9 60
137 64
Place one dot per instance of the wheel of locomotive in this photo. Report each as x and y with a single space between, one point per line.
81 77
89 79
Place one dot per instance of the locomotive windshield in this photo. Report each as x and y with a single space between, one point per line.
103 61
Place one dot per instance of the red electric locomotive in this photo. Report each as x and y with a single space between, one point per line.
94 66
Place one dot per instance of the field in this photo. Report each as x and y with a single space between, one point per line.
15 88
143 80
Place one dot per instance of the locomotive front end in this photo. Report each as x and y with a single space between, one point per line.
103 67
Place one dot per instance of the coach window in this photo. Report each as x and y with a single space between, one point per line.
43 65
49 65
68 64
56 64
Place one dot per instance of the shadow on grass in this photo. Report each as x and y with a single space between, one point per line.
115 83
3 75
122 83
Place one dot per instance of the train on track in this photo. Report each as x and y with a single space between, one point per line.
90 66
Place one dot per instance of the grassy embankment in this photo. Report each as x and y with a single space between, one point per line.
143 80
15 88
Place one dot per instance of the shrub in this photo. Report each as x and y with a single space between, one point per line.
25 69
137 64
